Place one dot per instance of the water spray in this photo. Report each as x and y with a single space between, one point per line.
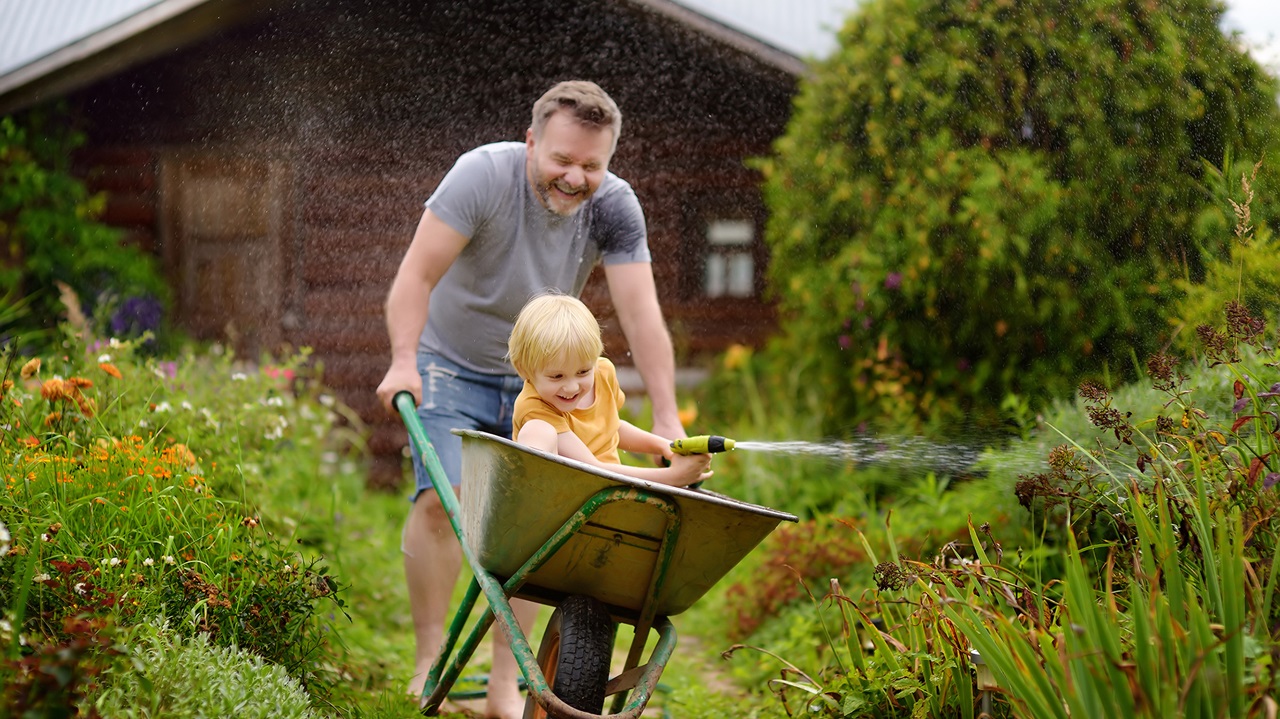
702 444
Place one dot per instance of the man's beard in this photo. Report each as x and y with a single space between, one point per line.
554 201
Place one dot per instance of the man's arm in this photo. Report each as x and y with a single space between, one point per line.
635 298
434 248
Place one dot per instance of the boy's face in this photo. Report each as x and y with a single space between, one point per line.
566 383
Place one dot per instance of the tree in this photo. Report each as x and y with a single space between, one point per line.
975 200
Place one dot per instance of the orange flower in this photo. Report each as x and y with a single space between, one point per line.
111 370
736 356
54 390
6 386
79 382
87 406
51 418
30 369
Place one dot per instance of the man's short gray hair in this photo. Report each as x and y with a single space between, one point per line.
585 101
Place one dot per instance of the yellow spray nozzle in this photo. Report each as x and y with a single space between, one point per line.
702 444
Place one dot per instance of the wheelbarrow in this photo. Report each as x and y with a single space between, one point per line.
600 547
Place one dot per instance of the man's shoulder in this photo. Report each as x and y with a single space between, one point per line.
495 154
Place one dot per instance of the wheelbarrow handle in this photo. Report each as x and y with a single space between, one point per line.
408 409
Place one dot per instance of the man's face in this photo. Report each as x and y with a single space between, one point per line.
567 163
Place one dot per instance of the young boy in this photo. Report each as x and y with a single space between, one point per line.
570 401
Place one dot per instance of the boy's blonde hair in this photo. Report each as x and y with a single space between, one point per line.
551 326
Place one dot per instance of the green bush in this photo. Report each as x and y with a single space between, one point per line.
175 678
50 234
978 200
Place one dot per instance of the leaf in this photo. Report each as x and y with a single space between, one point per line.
1255 468
1235 426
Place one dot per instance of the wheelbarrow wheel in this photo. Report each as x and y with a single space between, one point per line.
574 655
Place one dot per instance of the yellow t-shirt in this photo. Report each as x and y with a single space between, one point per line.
597 425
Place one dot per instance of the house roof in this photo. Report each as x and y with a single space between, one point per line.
49 47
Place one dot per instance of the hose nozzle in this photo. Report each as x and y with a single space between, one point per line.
702 444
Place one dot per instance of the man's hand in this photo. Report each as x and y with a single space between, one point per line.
400 379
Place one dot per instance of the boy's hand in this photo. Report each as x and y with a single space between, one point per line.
690 468
668 430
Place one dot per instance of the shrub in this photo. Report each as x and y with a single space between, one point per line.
134 486
53 677
984 199
179 678
51 234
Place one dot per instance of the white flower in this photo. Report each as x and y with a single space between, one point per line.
113 343
5 626
41 577
168 559
239 377
275 402
326 400
163 407
114 561
148 562
104 358
79 587
287 568
4 539
45 537
187 405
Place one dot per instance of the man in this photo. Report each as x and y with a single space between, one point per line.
510 221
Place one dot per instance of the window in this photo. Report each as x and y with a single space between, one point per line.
729 267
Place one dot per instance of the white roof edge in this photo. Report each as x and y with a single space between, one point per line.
91 45
736 39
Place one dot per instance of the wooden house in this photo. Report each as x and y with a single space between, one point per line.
276 154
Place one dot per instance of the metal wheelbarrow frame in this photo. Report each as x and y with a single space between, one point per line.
544 528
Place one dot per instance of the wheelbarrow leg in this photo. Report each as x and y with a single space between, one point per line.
444 673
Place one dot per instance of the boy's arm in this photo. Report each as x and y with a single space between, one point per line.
637 441
539 435
683 470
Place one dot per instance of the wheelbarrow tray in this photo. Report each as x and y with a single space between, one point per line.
515 497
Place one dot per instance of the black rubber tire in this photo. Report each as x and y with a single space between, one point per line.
574 656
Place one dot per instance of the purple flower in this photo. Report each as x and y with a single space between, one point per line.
893 281
845 342
1270 480
137 315
963 365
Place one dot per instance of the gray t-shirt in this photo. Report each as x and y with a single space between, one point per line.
517 249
